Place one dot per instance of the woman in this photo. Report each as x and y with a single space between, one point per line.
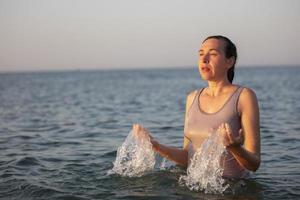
231 109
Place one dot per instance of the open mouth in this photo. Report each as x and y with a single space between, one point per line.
205 69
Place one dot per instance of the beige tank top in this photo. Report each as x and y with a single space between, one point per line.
199 125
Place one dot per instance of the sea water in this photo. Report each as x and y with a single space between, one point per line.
60 131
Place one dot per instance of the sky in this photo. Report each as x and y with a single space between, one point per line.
40 35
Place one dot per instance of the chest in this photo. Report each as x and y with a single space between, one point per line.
209 104
202 122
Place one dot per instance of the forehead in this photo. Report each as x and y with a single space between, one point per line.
213 44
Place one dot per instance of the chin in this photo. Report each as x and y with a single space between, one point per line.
205 77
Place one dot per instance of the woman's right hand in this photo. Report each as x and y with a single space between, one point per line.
142 133
177 155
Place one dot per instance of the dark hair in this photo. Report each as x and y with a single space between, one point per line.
230 51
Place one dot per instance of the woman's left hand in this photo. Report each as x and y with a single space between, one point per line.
229 140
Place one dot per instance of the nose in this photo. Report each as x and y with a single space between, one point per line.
204 59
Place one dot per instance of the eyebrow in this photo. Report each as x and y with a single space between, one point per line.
209 50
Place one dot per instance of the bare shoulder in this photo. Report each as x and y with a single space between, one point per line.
248 99
191 95
190 98
248 94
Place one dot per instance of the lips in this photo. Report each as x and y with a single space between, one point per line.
205 69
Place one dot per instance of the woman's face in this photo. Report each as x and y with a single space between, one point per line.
212 63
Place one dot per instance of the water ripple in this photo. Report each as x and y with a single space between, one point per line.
28 161
59 137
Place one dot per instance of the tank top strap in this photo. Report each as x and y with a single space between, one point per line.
200 91
234 99
195 102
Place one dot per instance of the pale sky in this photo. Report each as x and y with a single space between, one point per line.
109 34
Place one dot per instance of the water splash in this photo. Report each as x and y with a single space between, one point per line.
205 172
135 157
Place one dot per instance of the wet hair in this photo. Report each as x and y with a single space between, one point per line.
230 51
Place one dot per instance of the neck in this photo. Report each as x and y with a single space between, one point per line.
217 87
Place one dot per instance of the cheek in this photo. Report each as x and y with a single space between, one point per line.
221 66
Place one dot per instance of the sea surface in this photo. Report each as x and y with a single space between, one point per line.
59 132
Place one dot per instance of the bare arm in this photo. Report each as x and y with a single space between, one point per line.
248 155
177 155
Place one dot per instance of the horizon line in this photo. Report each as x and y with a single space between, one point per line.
133 68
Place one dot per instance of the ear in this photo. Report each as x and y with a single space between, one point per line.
230 62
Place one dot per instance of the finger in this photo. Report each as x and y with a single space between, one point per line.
138 130
138 127
143 132
224 135
241 136
221 127
229 133
228 128
226 141
224 128
240 131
